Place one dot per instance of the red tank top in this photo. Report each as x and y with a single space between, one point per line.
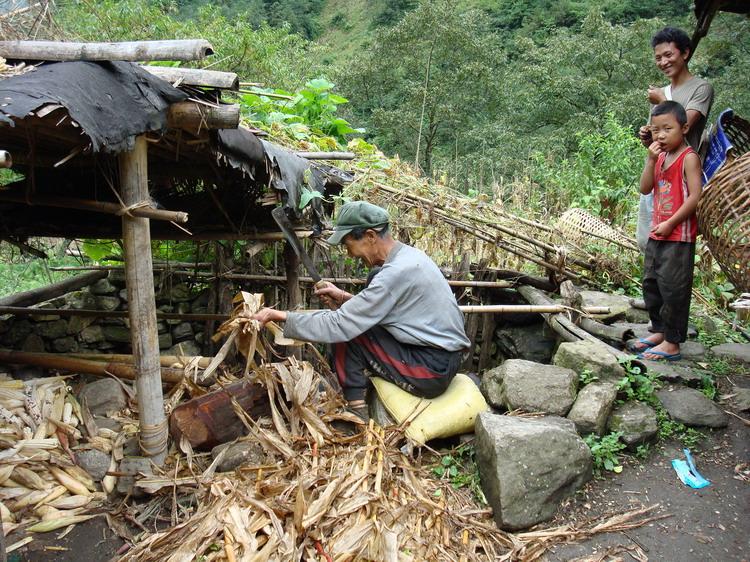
670 193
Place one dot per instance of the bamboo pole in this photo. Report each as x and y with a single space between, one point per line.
527 308
182 50
327 155
193 117
195 77
88 313
139 279
35 296
76 365
106 207
165 360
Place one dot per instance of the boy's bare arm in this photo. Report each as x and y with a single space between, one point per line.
692 170
647 176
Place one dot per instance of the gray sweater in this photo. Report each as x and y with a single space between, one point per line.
409 297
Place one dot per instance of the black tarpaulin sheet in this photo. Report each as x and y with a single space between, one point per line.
113 102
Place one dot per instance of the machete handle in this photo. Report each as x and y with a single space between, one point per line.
331 304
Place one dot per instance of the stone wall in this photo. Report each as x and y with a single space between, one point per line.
78 334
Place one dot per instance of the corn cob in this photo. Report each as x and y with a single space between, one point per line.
32 407
109 481
53 525
29 478
82 476
11 418
67 412
70 502
47 512
55 494
31 498
69 482
12 493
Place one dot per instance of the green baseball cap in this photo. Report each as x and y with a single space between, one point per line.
357 214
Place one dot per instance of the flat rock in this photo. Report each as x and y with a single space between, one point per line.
591 409
76 324
92 334
532 343
103 396
182 331
131 468
532 387
95 462
742 399
618 304
68 344
165 340
33 343
691 407
103 287
105 422
107 303
52 330
527 467
671 372
585 355
692 350
184 349
80 300
740 351
239 453
117 334
636 420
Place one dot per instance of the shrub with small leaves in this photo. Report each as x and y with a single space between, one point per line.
605 451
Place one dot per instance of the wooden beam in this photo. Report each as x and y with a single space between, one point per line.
34 296
139 280
193 117
182 50
95 206
195 77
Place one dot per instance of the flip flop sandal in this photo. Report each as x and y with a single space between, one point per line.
661 356
633 346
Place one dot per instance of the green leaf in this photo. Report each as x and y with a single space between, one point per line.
308 195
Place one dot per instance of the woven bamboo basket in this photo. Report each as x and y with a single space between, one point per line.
724 219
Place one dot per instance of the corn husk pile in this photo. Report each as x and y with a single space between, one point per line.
7 70
41 486
322 495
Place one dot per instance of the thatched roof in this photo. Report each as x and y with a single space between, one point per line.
65 123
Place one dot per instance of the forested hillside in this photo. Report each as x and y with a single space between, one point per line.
536 100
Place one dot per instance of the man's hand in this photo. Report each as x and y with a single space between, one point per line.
331 295
656 95
654 149
644 133
663 229
265 315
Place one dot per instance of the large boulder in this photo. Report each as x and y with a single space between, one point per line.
182 331
693 350
184 349
691 407
103 287
589 356
95 462
618 304
525 385
671 372
527 467
742 398
592 407
637 422
530 342
103 397
52 330
104 302
740 351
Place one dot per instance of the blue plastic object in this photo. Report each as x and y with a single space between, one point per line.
687 472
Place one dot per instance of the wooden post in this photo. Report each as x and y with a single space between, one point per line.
139 279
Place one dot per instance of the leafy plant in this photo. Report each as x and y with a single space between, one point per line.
708 387
636 385
643 450
460 468
605 451
671 429
587 376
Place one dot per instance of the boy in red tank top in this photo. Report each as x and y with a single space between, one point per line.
673 172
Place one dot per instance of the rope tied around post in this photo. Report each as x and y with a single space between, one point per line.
127 210
157 434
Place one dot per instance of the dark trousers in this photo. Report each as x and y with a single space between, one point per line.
667 286
422 371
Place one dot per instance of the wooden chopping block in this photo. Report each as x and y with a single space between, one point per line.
209 420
